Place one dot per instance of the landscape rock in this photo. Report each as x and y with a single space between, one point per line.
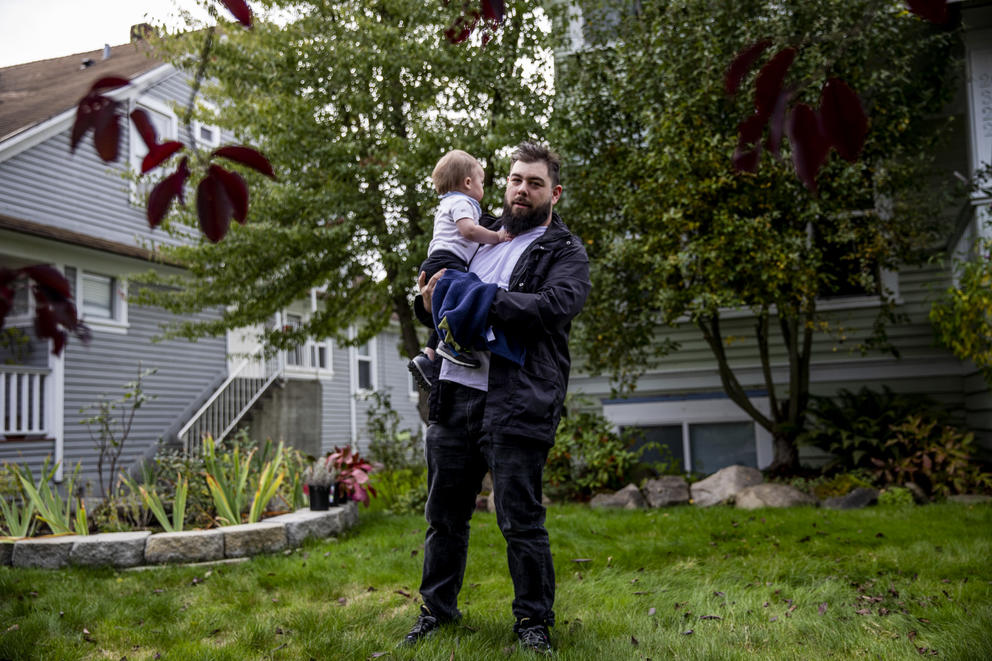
965 499
6 553
114 549
252 538
723 485
856 499
628 498
919 495
185 546
304 523
666 490
771 494
43 552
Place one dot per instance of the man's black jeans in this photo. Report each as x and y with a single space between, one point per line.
458 454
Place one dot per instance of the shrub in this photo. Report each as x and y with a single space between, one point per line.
588 457
388 444
895 496
402 490
855 427
939 458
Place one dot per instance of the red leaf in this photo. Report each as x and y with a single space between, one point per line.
109 82
462 27
51 279
90 113
742 64
809 146
213 207
145 127
748 150
107 130
776 123
159 153
494 11
934 11
768 86
844 122
162 195
246 156
240 10
237 191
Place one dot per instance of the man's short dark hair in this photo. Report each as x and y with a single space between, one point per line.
530 152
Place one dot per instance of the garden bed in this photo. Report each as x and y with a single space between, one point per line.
131 549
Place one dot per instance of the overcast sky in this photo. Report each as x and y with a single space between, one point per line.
41 29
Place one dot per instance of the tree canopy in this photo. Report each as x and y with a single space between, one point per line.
352 102
676 236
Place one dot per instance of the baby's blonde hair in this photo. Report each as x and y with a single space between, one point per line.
451 171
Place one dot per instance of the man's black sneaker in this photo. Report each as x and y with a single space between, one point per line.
422 369
425 625
463 358
533 637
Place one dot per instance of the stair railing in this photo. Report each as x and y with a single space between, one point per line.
232 400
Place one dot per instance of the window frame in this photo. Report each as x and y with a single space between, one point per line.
372 359
117 322
689 410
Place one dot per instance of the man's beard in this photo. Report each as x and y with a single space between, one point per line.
518 222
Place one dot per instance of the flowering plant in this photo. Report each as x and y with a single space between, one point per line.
321 473
353 473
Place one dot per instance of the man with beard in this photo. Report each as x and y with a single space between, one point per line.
502 416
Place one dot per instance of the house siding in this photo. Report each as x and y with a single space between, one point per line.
111 360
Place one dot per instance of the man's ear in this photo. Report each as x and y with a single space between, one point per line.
556 194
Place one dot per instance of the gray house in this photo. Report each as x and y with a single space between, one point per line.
681 403
84 217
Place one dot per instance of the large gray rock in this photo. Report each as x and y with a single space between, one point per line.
43 552
6 553
771 494
666 490
723 485
349 514
253 538
964 499
114 549
304 523
628 498
185 546
854 500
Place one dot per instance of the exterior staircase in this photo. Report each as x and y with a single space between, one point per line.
232 400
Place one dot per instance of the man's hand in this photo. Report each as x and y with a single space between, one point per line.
427 286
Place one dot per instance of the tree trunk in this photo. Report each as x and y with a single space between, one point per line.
785 460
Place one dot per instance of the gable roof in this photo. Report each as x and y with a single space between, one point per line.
36 91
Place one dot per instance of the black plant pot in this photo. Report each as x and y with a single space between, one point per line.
340 495
320 497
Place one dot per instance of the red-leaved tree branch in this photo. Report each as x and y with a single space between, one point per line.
837 122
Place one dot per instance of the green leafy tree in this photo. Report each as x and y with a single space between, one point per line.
352 102
676 237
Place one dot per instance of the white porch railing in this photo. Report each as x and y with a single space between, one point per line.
24 401
232 400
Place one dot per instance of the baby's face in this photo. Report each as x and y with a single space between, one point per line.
475 183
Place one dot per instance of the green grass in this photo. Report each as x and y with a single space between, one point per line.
804 584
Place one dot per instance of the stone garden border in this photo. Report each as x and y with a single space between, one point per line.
133 549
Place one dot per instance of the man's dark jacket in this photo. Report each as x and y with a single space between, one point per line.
548 288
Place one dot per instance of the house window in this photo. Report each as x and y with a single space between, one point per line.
703 431
22 310
206 135
101 299
365 367
166 128
294 356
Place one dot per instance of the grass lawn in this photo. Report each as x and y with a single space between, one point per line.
683 583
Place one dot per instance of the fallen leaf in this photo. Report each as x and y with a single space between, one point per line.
651 611
13 627
582 560
863 611
633 641
773 619
823 608
710 617
687 633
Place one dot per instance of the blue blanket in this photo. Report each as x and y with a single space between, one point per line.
463 301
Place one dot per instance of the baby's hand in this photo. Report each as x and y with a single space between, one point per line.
503 235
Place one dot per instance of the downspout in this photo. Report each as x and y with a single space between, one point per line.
353 390
56 408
